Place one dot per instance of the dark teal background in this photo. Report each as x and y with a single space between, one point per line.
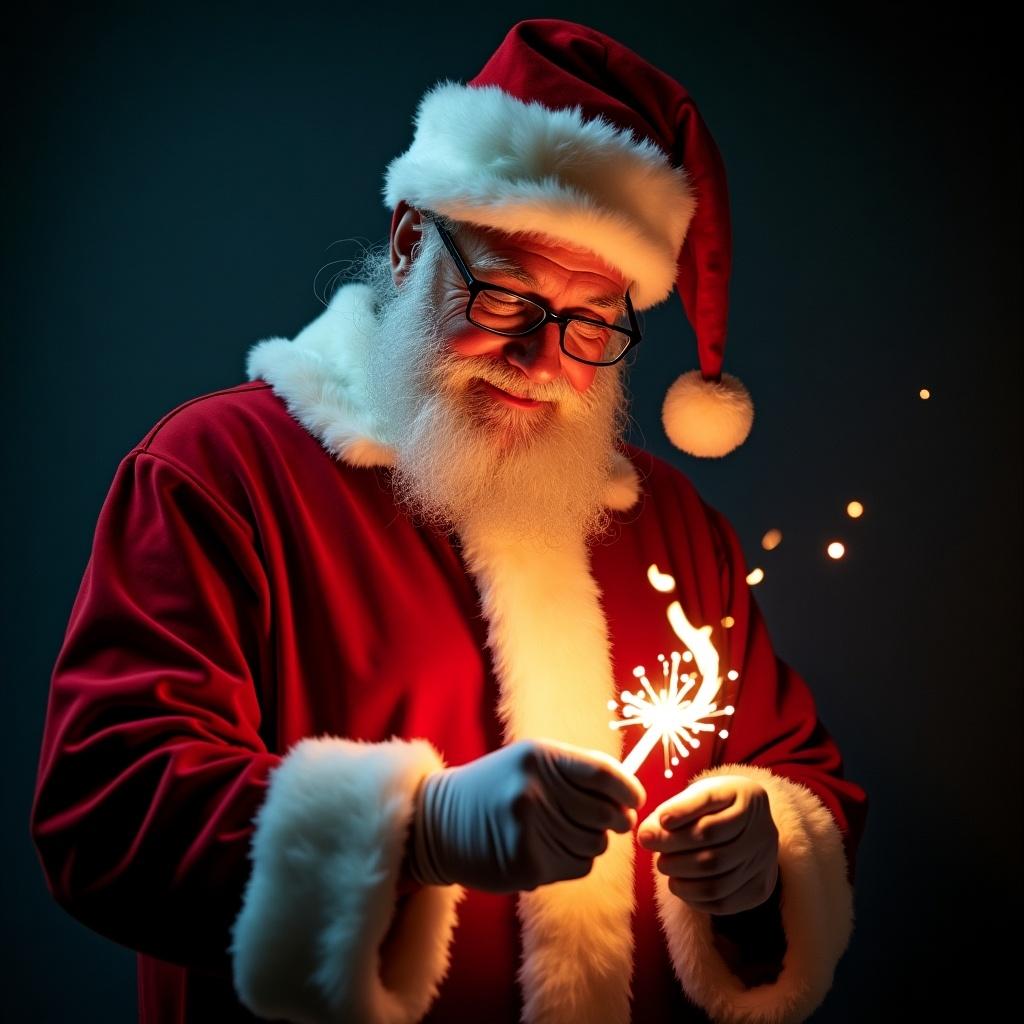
174 178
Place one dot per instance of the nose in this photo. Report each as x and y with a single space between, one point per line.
537 354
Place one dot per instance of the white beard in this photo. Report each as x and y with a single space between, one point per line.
465 461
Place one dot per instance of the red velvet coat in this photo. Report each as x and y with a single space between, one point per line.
248 590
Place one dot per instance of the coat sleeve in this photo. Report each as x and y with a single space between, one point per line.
161 819
776 738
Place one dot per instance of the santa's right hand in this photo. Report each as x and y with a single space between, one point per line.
531 813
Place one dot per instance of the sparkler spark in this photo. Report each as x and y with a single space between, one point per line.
672 714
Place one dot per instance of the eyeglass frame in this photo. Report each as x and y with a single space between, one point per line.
475 286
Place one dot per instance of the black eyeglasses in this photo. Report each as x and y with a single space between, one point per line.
501 311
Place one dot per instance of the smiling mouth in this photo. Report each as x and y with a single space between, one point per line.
509 399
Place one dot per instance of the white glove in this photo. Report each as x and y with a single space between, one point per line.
526 815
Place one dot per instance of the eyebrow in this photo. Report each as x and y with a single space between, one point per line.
491 263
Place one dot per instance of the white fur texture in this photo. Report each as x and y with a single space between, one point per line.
707 419
817 915
549 640
307 943
623 486
483 156
319 377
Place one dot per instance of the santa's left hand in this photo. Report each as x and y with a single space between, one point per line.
717 843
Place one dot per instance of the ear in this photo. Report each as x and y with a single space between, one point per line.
406 226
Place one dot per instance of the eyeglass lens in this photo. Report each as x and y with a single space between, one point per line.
505 313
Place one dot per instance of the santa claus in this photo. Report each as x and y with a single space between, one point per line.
328 737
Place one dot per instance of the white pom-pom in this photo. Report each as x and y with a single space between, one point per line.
707 419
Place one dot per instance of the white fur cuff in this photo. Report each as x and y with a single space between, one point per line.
309 942
817 915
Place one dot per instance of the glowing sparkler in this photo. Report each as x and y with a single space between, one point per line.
673 715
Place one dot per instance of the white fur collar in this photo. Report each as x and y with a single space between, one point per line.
319 376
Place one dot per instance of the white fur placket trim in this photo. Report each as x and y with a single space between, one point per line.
549 641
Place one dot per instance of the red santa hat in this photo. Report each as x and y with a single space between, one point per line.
568 134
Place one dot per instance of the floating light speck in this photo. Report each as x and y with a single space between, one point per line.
855 510
755 576
661 581
925 393
836 550
771 540
733 674
728 622
612 705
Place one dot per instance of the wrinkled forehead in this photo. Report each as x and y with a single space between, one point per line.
523 255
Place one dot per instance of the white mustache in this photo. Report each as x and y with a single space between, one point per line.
462 370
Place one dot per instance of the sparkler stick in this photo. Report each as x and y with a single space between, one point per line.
641 749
